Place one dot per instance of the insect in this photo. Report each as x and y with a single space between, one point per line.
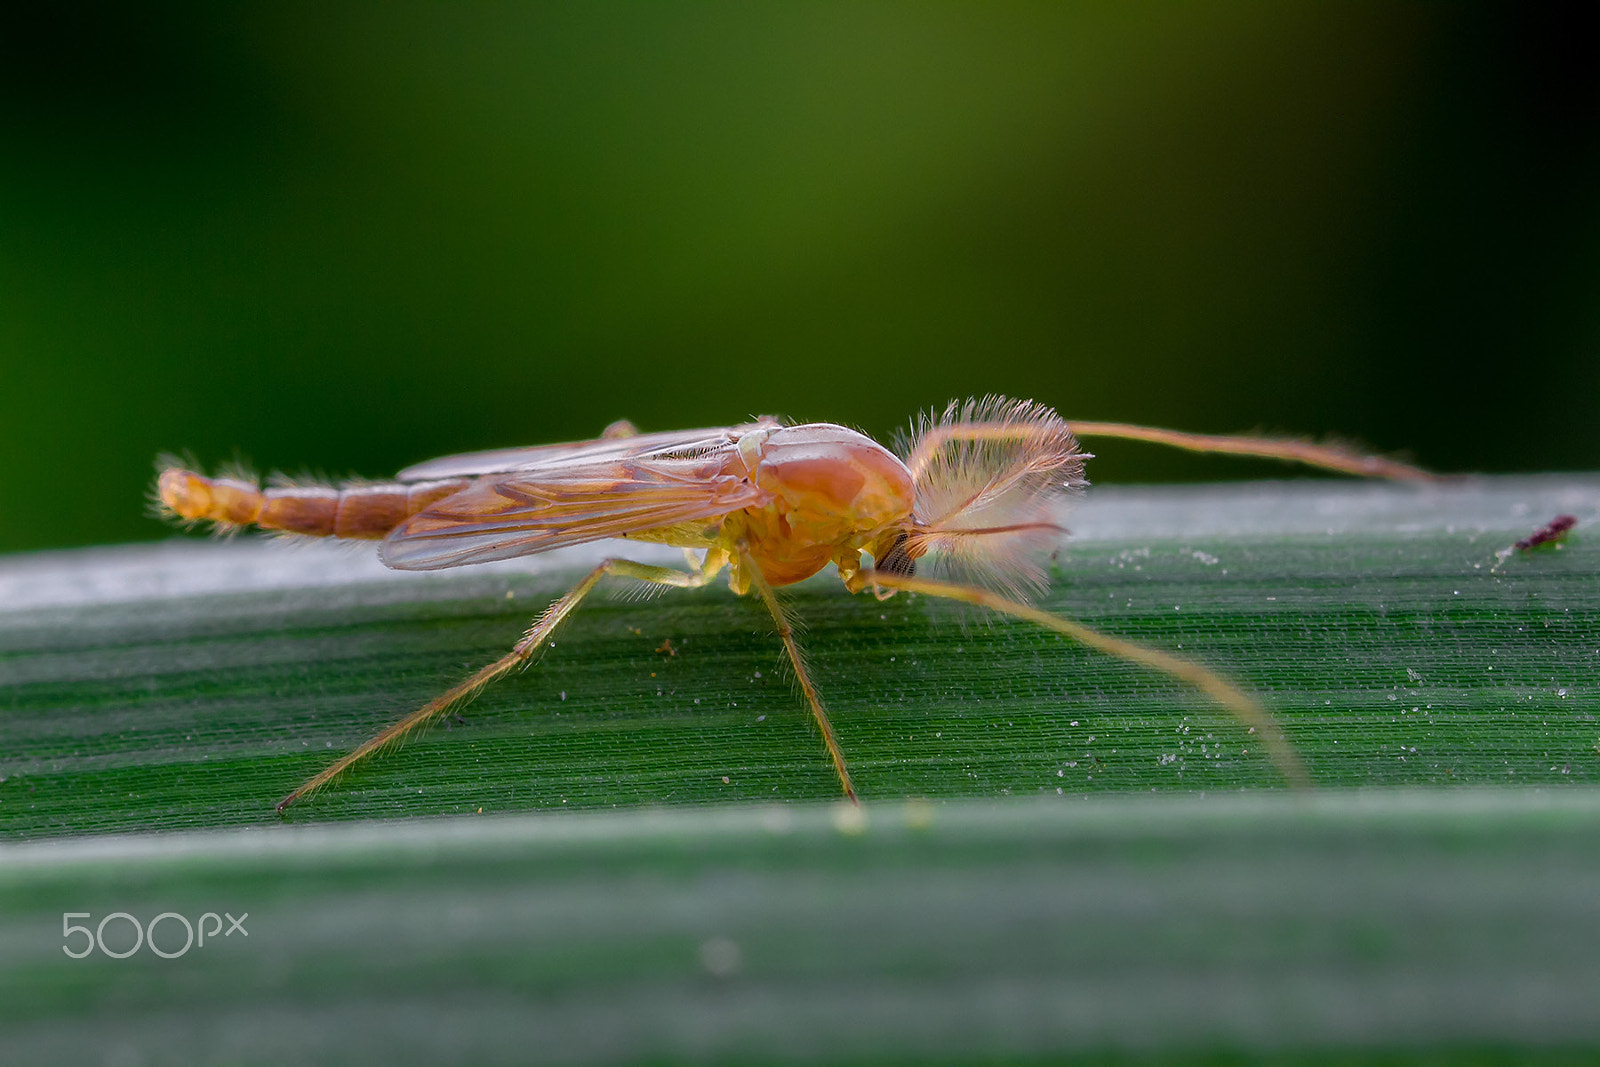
1552 532
976 491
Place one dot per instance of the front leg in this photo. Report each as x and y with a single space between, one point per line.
857 578
1241 706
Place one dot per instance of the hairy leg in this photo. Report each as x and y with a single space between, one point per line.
786 635
524 649
1238 704
1325 457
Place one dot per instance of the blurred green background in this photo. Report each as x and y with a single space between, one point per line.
348 238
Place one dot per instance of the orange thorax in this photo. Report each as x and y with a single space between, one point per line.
833 492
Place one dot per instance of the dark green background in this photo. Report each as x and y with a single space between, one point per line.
350 239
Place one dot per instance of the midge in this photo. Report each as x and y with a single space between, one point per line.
978 491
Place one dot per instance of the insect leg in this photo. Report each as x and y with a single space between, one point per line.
786 635
936 437
1242 707
1326 457
524 649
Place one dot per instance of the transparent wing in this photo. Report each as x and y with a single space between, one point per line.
522 513
579 453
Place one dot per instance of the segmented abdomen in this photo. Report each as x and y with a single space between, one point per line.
353 511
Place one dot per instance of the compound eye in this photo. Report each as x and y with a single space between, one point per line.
897 560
